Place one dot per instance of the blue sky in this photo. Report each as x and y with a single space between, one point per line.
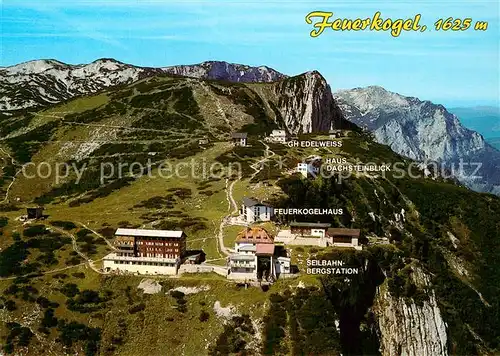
452 68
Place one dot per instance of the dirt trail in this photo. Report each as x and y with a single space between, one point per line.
14 163
46 272
259 165
89 261
225 220
97 234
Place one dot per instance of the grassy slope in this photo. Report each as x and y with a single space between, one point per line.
160 328
432 209
115 207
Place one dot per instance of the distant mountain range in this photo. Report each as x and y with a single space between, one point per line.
45 82
423 131
231 72
417 129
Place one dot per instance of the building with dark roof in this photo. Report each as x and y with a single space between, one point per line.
343 237
146 251
35 212
255 257
278 136
239 138
309 229
255 211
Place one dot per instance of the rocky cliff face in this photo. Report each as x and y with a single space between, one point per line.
408 328
307 105
218 70
423 131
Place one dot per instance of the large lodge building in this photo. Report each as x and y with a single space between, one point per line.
257 257
147 251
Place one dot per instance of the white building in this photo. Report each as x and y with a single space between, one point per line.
282 265
279 136
310 167
309 229
255 211
305 233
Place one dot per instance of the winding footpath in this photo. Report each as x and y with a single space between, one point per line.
46 272
226 220
97 234
89 261
14 163
259 165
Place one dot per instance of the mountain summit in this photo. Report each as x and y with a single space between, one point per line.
423 131
230 72
45 82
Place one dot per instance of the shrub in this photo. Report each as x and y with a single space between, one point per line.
60 275
21 333
70 290
204 316
73 332
35 230
137 308
124 223
73 261
16 236
276 298
107 232
232 339
177 294
10 305
11 259
8 207
3 221
49 320
43 302
65 225
82 233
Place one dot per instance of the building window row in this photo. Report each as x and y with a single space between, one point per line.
152 243
163 264
161 249
160 255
